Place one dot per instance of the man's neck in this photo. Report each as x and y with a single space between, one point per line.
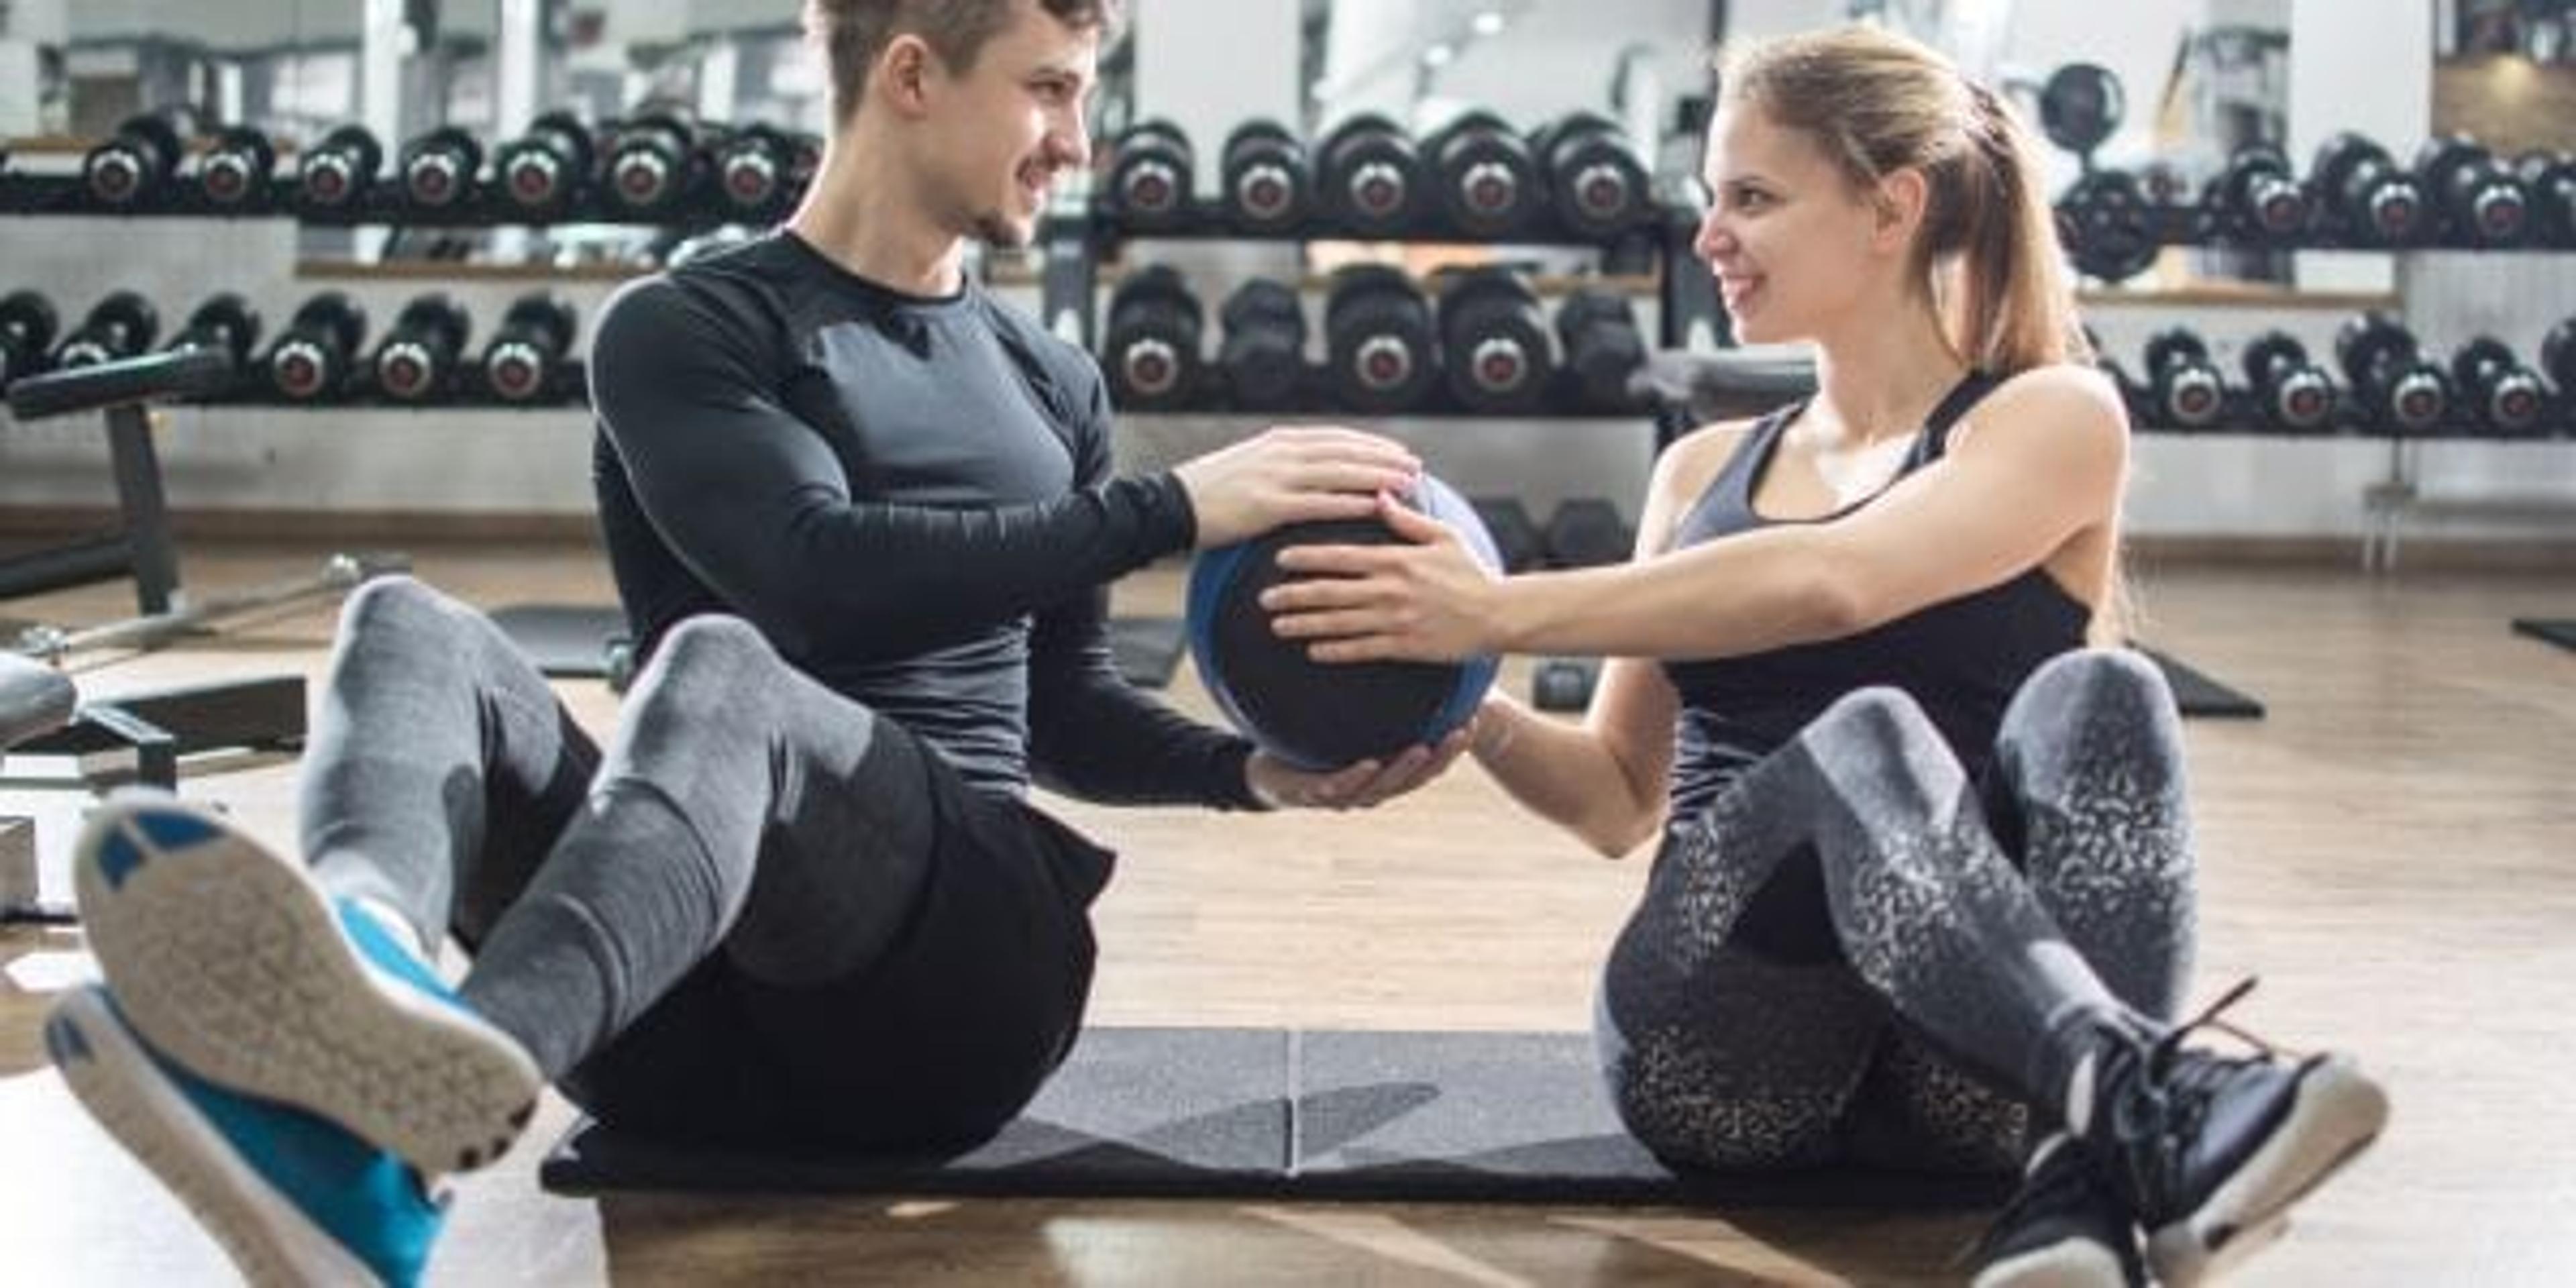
864 215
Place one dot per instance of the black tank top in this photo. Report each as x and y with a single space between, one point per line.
1961 660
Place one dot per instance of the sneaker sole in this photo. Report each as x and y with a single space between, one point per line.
2338 1112
2073 1263
230 961
269 1239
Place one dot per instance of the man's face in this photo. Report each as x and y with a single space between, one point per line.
998 135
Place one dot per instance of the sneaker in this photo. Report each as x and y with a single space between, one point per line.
2063 1229
2209 1152
233 964
294 1199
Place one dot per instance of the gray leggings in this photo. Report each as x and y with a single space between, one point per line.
1957 979
742 875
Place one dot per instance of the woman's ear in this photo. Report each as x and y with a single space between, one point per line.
1902 197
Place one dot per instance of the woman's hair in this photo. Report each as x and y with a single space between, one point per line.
1877 102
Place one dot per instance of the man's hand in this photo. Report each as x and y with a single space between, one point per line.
1279 785
1292 475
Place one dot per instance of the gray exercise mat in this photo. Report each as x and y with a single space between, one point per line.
1256 1113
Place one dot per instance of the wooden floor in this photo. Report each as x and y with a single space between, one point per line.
2393 850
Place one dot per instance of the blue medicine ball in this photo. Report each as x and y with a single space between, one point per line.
1324 715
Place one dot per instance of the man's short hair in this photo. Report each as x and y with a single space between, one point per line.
854 33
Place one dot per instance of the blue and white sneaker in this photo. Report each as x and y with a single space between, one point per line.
236 967
294 1199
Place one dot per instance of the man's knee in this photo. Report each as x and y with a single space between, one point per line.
706 665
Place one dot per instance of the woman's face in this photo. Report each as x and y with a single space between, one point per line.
1793 245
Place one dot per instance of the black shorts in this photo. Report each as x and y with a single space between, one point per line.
935 1045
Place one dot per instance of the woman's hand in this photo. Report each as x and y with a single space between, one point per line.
1279 785
1424 598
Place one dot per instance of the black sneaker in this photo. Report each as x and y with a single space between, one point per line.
2209 1152
2063 1229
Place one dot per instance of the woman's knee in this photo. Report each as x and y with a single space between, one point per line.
1878 740
2096 683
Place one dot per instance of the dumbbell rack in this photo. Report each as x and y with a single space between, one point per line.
383 202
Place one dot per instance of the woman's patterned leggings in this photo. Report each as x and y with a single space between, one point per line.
1853 954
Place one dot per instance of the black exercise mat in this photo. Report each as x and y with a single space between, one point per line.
1456 1117
1147 649
2198 695
568 641
2561 632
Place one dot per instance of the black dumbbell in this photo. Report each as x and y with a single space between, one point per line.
2188 391
2483 204
120 326
1151 170
1379 339
752 166
2550 178
652 165
2290 391
2373 201
234 174
1594 178
2558 357
1265 178
1586 532
2259 197
1564 683
2385 366
1485 183
2505 394
27 325
1264 352
542 170
134 167
438 169
520 360
416 360
311 358
337 173
2081 106
2107 226
1369 176
1496 348
1603 346
1515 533
225 324
1151 346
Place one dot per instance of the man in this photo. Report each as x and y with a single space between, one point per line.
861 518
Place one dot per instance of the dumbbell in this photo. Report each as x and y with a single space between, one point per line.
2550 178
225 324
2080 106
2375 202
1603 347
2386 367
1485 182
2291 391
2107 226
2505 394
438 169
1593 175
336 174
542 170
2259 196
310 359
132 168
652 165
234 174
418 354
1379 339
1151 345
520 360
120 326
2187 389
2483 203
27 325
1264 351
1585 532
2558 357
1265 177
1151 169
1496 349
1369 176
1515 533
1564 683
752 167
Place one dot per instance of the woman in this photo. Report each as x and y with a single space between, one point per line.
1917 840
